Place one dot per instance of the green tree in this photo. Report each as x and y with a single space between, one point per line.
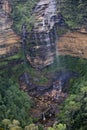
18 103
5 122
14 125
31 127
22 13
60 126
74 12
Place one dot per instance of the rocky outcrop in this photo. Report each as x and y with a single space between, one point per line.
8 38
5 5
73 43
43 36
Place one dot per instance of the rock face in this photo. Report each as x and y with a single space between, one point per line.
4 5
73 43
43 36
8 38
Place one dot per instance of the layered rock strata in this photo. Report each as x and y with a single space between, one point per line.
73 43
43 36
8 38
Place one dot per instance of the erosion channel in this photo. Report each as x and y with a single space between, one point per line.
41 53
47 99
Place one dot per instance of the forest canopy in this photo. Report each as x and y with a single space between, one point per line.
22 13
74 12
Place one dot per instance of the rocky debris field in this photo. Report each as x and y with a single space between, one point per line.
47 99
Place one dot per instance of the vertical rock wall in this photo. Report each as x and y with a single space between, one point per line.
6 6
73 43
8 38
42 39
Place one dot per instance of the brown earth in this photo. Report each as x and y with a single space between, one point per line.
8 42
73 43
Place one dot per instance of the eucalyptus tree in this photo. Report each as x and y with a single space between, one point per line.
22 13
74 12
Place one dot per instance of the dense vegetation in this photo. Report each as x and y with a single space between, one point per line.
74 110
74 12
15 104
22 13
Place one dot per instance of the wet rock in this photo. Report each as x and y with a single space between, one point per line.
25 77
42 38
26 82
5 6
62 77
48 98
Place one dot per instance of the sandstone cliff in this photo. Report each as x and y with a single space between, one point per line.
42 48
73 43
42 41
8 38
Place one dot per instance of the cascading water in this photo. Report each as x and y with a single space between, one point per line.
44 33
24 50
57 54
42 51
43 116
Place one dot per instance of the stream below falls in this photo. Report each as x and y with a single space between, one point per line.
47 99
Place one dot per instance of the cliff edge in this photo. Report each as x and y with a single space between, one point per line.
8 38
73 43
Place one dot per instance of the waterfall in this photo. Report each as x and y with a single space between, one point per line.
36 41
43 116
45 34
23 42
24 50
